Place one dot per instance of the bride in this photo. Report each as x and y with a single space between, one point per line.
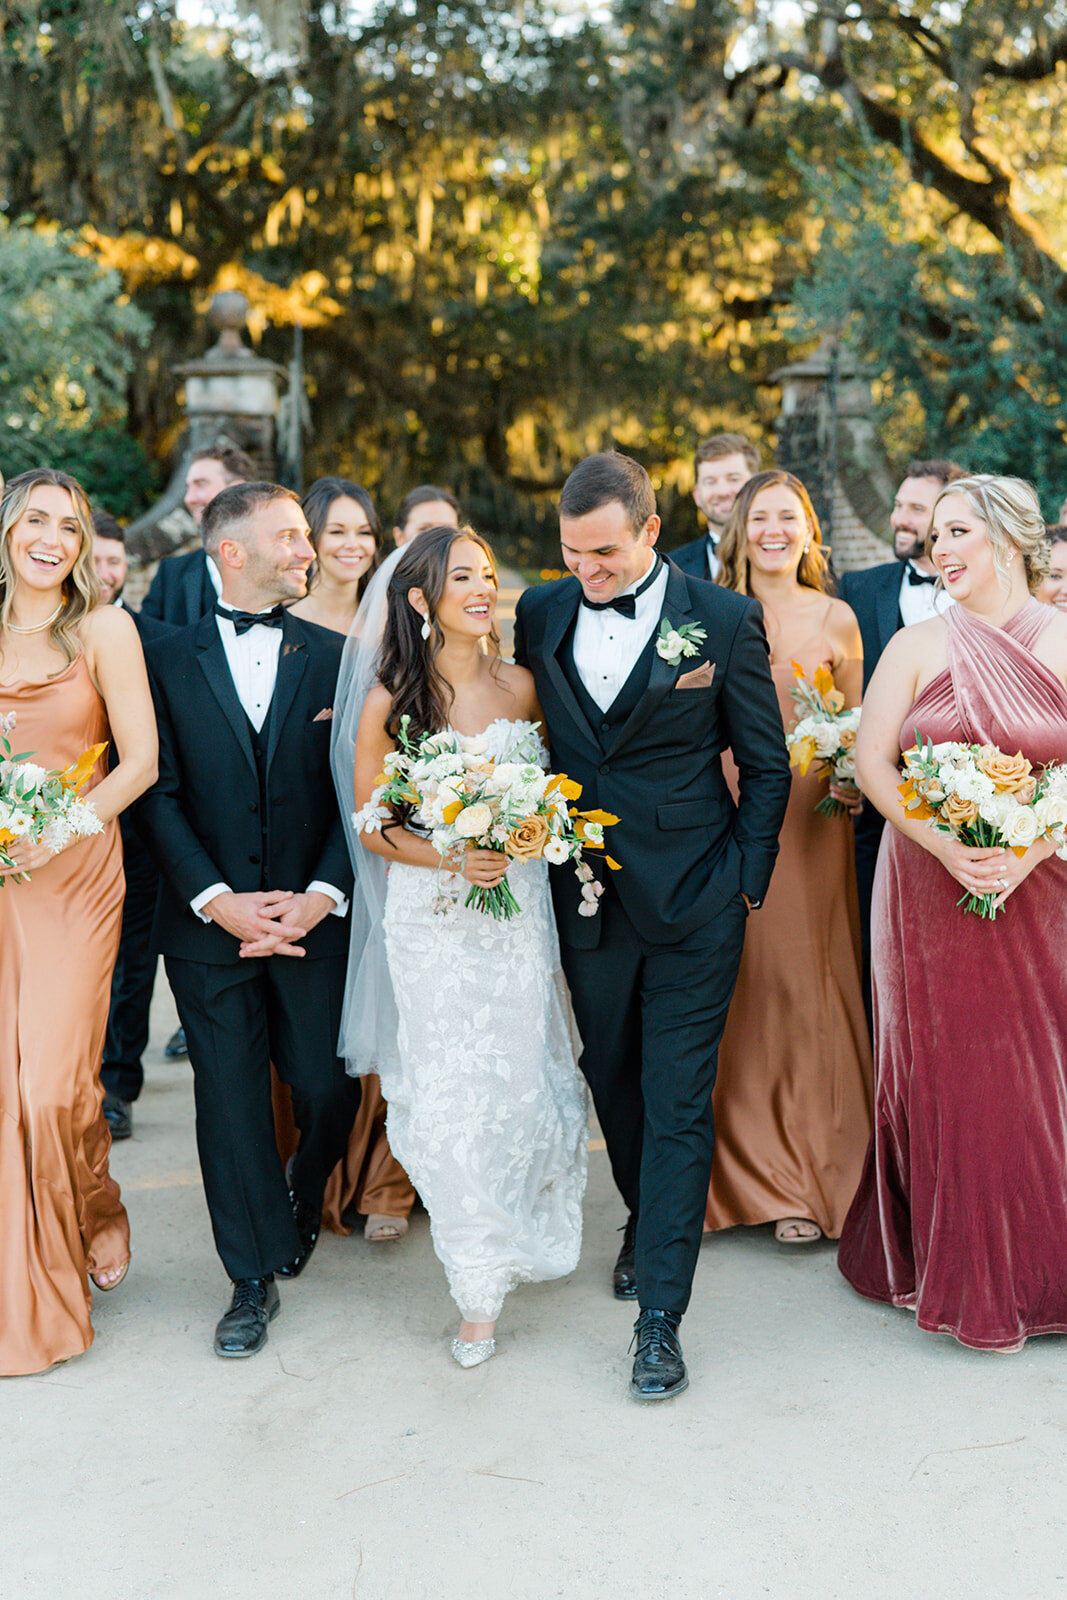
465 1018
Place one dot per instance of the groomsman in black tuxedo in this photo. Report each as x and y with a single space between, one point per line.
642 728
723 465
244 824
133 979
186 587
885 599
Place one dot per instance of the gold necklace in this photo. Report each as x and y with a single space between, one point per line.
40 626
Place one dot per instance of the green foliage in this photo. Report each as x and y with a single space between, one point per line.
67 343
968 353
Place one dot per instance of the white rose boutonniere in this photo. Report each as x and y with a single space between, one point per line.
674 643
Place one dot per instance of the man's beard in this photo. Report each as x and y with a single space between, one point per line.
913 552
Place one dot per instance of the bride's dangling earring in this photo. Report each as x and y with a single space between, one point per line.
425 630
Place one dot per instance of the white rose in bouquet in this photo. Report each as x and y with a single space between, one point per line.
827 738
1021 828
474 820
1051 811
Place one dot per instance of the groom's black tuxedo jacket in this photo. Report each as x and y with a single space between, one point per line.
684 847
218 813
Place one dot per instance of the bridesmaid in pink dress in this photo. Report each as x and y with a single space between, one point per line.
961 1213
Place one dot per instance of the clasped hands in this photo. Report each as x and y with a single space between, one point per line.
992 870
269 922
27 857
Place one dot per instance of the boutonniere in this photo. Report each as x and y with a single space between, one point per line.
674 643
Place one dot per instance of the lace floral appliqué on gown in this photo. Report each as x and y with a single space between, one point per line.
487 1111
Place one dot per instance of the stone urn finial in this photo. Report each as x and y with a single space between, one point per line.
229 312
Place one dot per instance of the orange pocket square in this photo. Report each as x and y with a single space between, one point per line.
699 678
325 715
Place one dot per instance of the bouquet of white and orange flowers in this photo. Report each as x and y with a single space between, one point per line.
40 805
825 731
984 798
450 786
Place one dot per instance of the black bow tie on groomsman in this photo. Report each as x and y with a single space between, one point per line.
917 577
243 620
625 604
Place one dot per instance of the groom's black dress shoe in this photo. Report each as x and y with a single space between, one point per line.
624 1277
308 1220
659 1371
243 1330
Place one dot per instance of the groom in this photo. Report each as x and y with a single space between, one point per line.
244 824
642 728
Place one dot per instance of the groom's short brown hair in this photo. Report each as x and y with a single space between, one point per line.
606 477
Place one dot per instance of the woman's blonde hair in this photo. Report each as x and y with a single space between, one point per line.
81 588
1011 511
733 561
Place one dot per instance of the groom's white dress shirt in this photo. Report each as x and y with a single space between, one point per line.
607 644
252 658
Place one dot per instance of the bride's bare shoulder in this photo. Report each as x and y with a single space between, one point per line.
377 706
519 682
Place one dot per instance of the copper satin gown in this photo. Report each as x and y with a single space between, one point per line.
60 1212
793 1093
961 1213
368 1178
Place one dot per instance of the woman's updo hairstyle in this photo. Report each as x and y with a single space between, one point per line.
732 549
407 663
1011 511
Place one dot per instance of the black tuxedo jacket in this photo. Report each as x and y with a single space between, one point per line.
874 596
693 559
202 818
683 846
181 591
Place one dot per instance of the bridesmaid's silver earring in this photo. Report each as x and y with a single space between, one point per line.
425 629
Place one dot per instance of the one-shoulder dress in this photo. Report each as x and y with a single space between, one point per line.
961 1212
60 1213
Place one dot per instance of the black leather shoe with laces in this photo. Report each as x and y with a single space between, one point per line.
659 1371
308 1220
624 1277
243 1330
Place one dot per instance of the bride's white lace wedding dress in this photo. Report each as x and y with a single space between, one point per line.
487 1111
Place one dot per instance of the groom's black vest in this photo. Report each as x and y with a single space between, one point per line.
604 723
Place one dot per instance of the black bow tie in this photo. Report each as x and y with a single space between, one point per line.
243 620
917 577
625 604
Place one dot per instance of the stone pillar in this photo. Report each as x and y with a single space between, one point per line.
232 397
827 438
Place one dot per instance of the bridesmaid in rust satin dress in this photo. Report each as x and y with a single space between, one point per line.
961 1214
61 1220
793 1094
345 532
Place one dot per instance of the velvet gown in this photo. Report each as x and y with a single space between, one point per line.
961 1214
60 1213
793 1093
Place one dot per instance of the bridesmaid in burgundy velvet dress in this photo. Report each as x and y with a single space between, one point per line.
961 1214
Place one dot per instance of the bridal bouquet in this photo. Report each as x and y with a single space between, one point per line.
824 731
42 806
983 797
462 796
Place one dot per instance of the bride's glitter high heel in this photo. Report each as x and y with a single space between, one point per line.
471 1353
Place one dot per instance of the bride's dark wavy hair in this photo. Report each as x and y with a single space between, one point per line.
407 664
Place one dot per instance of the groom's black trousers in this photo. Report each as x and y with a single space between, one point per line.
651 1018
238 1018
